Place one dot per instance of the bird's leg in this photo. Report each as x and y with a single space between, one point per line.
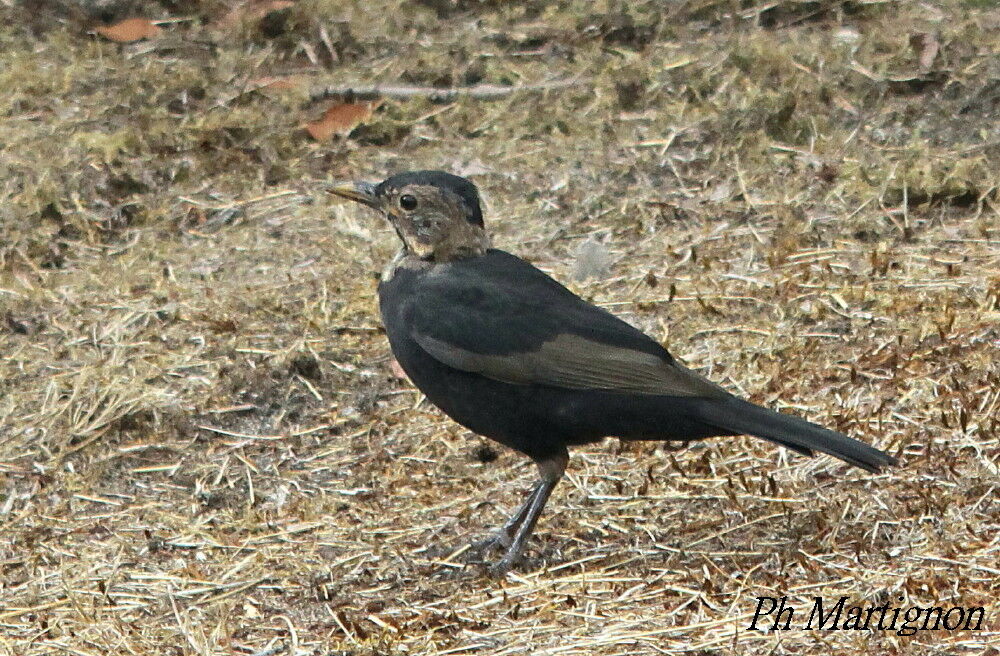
505 536
551 470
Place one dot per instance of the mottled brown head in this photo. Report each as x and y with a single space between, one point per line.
436 215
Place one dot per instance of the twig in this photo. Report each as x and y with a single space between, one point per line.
14 612
434 94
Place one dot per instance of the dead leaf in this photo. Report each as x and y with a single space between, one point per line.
129 30
275 83
926 46
341 119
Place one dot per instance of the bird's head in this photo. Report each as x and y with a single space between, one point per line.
436 214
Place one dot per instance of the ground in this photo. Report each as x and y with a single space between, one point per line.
205 449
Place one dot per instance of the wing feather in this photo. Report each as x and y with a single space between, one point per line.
503 319
573 362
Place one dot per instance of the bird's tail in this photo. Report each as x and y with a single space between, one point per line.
739 416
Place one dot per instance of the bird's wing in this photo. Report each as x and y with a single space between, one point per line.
502 318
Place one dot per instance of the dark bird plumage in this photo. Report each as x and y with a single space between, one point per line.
509 353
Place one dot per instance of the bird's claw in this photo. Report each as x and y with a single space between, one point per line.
500 568
499 540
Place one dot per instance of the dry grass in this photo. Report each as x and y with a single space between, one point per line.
203 451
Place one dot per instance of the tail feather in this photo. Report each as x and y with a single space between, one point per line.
740 416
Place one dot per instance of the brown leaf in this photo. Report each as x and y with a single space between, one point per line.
129 30
341 119
926 46
276 83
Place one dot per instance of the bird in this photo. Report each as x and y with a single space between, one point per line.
511 354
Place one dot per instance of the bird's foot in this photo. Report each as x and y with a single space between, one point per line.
499 540
499 569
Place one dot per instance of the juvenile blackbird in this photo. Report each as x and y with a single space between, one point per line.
509 353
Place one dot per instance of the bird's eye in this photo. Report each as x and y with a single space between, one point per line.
408 202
